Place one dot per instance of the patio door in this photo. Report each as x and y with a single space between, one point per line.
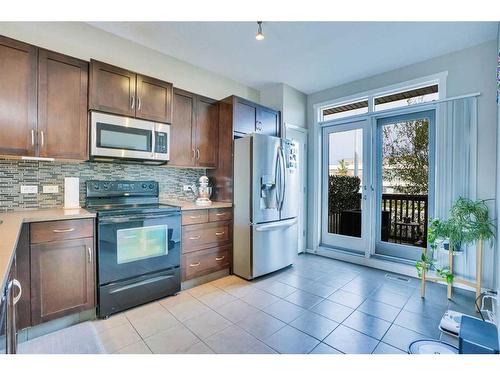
345 179
404 183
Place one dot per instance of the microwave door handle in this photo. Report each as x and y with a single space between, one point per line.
153 143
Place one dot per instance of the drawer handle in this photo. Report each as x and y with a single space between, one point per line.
219 233
194 264
194 217
220 214
195 238
63 230
220 258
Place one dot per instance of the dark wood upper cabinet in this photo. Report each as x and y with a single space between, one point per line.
18 97
182 133
250 117
122 92
62 278
112 89
194 131
62 106
245 117
268 121
207 132
154 99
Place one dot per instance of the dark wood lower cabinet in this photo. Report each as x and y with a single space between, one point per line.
62 278
206 241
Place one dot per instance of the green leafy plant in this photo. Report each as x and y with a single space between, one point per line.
467 224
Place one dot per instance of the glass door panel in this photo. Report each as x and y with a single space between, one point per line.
404 183
345 176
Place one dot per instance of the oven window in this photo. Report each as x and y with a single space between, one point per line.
121 137
141 243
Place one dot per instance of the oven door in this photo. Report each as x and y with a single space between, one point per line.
131 246
121 137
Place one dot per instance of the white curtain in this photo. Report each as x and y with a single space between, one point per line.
456 167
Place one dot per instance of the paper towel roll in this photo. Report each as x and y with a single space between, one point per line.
71 192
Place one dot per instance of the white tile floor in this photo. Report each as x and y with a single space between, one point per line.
318 306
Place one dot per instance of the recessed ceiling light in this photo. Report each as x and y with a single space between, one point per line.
260 35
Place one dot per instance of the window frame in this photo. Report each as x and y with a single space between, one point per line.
438 78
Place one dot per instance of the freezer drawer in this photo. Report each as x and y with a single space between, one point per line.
274 246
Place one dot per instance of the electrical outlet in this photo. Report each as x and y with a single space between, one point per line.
29 189
186 187
50 189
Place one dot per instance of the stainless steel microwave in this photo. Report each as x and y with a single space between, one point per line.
125 138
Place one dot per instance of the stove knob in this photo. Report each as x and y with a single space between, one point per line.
144 186
151 186
96 187
106 187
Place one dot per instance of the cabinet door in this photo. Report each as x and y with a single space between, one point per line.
154 99
18 96
62 106
62 278
245 117
182 149
112 89
207 132
268 121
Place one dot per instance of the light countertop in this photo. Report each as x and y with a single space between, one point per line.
191 205
11 225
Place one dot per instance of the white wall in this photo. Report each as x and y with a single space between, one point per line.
81 40
291 102
470 70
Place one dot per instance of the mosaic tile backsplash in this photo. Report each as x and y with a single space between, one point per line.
14 173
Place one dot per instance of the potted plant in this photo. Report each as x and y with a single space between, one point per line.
468 223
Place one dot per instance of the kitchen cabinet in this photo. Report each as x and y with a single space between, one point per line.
43 102
62 276
194 131
206 241
237 117
251 117
122 92
62 106
18 97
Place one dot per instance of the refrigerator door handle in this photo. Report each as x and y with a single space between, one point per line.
277 178
279 224
283 176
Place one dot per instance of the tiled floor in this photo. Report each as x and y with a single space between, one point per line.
318 306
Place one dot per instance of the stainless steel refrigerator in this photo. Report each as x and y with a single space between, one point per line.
266 194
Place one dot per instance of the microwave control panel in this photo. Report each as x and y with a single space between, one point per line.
161 143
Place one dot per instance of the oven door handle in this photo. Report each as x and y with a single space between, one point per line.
127 219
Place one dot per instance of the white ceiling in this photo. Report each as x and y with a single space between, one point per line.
309 56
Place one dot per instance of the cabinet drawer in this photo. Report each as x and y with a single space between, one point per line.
203 262
196 237
50 231
220 214
194 217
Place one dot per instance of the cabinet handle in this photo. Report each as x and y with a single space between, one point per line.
195 238
138 103
219 233
220 214
32 137
41 138
220 258
194 264
194 217
194 154
132 101
198 154
63 230
89 255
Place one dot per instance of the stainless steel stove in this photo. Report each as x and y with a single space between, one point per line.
138 244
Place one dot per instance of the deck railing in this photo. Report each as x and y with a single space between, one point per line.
404 219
